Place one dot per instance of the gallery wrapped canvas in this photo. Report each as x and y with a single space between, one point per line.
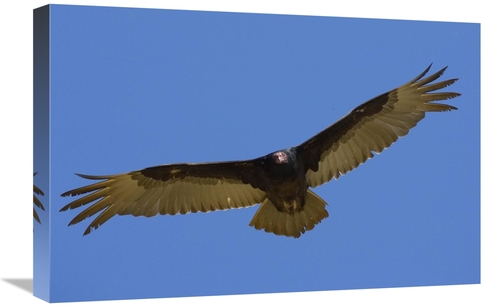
134 99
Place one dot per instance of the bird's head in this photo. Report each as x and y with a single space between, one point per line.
280 157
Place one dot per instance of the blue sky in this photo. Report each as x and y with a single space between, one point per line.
362 241
136 88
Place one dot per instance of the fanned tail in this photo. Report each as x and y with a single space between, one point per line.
290 224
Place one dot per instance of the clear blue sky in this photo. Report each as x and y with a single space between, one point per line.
136 88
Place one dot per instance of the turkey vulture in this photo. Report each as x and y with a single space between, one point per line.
279 181
36 201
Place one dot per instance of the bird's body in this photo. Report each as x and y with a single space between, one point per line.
284 180
279 181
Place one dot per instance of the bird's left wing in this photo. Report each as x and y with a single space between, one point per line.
170 189
372 127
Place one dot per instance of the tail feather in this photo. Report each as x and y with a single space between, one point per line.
290 224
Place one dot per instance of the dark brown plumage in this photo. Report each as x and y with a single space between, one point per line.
279 181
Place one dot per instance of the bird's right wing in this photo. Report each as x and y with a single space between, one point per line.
170 189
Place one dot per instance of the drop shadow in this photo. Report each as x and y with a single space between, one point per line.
25 284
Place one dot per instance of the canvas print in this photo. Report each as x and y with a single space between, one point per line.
350 145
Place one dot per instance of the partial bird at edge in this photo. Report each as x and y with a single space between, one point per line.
36 201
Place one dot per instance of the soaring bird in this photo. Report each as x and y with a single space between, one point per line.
279 181
36 201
